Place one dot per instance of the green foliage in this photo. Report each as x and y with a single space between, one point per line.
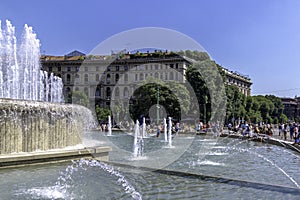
102 113
173 96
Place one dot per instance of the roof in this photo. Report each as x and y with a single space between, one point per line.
75 53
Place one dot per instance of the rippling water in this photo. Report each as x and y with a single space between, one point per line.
210 169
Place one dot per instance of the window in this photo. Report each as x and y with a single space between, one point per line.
68 68
125 92
156 75
117 77
50 69
156 67
126 77
68 78
108 92
108 79
108 68
166 76
141 76
59 68
177 65
86 78
136 77
172 65
117 68
125 68
86 69
77 69
98 92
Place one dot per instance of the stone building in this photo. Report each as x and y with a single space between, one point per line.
291 107
101 76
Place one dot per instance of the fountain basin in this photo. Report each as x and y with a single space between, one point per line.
30 126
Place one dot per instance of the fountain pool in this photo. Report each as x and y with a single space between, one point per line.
208 168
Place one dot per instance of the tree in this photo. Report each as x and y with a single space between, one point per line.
102 114
173 96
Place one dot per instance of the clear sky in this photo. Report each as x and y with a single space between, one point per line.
259 38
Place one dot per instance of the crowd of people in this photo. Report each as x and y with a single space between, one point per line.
285 130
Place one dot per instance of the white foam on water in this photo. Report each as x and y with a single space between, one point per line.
208 162
45 193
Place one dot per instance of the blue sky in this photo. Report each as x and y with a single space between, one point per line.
259 38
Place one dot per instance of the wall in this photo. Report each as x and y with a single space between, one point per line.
28 126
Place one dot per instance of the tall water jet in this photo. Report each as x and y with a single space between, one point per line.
144 128
109 126
31 125
138 142
165 130
20 69
170 132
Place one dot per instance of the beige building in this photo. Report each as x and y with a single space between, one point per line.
107 78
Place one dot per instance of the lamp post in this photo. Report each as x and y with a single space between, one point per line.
157 106
204 109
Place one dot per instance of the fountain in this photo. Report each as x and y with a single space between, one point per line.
20 74
170 132
32 117
138 142
144 128
109 126
199 167
165 130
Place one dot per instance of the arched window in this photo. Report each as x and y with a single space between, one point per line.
117 92
125 92
98 92
108 79
68 78
86 78
108 92
97 77
117 77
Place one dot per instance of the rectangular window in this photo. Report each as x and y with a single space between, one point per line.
68 68
117 68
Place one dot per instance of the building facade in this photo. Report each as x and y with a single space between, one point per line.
107 78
